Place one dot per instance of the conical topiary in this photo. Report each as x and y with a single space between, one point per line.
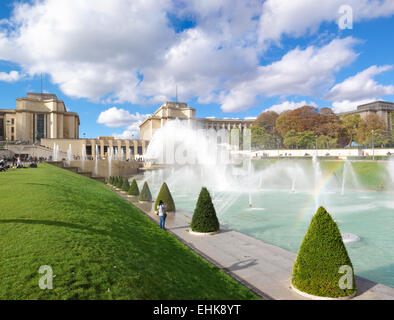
165 196
110 180
133 190
114 181
125 185
145 194
119 183
322 255
204 217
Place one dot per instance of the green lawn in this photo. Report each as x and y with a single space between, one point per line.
370 174
98 245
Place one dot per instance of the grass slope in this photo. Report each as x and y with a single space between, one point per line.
98 245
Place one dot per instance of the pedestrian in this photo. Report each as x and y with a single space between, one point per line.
162 214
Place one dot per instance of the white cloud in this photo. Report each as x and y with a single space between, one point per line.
299 72
297 18
289 105
362 86
114 118
128 51
346 105
12 76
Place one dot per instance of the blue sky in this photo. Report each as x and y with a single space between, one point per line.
115 63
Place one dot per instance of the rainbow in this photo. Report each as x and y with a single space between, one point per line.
309 208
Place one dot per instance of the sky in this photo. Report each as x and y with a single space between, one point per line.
114 62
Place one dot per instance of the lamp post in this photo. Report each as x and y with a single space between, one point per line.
373 146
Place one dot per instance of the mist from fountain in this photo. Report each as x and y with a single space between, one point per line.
109 159
55 152
83 157
69 155
96 162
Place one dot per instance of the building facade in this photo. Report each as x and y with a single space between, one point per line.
120 149
383 109
179 110
36 117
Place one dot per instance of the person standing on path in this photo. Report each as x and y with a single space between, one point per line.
162 214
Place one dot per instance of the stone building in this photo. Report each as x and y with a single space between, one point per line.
38 116
383 109
180 110
127 149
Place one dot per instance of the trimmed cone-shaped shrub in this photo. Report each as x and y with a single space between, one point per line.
119 183
166 197
145 194
133 190
204 217
111 180
322 253
125 185
114 181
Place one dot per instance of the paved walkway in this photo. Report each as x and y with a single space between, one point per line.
264 268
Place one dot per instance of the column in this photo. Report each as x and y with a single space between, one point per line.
135 143
143 146
53 125
93 144
102 149
60 128
127 149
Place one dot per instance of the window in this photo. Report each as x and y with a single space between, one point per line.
12 121
12 138
1 129
40 126
12 130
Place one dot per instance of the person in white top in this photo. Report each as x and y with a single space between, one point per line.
162 213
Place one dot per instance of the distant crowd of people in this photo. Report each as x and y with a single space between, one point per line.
19 162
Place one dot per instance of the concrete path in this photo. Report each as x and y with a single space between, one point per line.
264 268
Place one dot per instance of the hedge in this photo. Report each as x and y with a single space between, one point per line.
145 194
204 217
125 185
133 190
165 196
322 253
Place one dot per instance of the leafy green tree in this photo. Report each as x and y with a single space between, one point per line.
145 194
320 258
133 190
165 196
204 217
291 139
306 139
261 139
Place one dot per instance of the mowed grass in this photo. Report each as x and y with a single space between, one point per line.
370 175
98 245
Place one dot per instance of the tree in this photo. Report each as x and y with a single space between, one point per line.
291 139
165 196
133 190
267 121
261 139
204 217
353 124
119 183
125 185
306 139
145 194
320 259
326 142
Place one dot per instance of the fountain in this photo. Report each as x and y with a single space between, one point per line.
193 159
96 162
109 158
69 155
83 157
55 152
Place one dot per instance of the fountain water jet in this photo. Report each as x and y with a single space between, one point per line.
69 155
83 157
96 162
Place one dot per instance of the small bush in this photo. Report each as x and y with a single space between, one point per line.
204 217
111 180
133 190
165 196
114 181
145 194
125 185
119 183
322 253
